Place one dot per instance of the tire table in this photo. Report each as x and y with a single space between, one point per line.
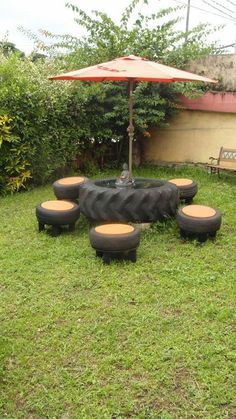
68 187
198 221
112 240
187 189
57 213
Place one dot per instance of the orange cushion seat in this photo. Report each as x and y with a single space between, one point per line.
57 205
181 181
73 180
198 211
116 229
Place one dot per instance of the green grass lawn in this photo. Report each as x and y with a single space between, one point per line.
80 339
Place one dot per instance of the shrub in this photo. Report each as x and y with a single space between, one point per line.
43 117
14 167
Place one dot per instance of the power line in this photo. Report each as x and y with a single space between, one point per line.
206 11
215 8
223 7
226 46
231 2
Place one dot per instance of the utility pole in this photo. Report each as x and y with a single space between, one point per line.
187 21
235 41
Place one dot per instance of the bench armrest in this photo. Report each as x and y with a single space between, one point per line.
212 159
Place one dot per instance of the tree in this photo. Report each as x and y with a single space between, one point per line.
152 36
35 56
10 48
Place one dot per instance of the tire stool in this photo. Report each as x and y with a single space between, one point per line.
198 221
187 189
57 214
111 240
68 187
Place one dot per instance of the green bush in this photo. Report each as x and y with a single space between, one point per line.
43 117
14 167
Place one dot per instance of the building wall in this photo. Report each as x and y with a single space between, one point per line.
219 67
212 101
192 136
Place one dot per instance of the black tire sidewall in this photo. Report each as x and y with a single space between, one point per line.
70 192
114 242
199 225
188 191
53 217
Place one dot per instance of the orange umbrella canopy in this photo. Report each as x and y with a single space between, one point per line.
131 69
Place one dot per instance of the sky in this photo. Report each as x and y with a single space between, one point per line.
52 15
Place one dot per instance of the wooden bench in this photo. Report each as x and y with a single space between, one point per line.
225 161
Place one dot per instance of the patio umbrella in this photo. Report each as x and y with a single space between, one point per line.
131 69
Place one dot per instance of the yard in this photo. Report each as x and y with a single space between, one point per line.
154 339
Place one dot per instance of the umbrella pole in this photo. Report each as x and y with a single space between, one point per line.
130 128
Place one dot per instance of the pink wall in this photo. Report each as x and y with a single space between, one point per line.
213 102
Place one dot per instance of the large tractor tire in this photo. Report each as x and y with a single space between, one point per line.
101 203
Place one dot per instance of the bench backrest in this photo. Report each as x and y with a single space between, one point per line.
227 157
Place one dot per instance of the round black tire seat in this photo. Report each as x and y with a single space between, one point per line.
198 221
68 187
57 213
187 189
111 240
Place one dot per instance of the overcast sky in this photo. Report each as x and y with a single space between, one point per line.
53 16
